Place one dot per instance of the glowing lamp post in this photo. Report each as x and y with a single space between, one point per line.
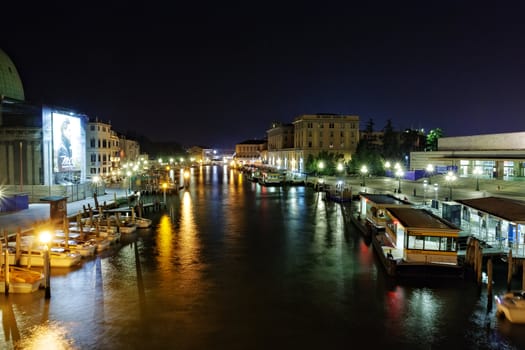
425 184
129 180
477 171
320 166
436 187
45 238
340 168
96 180
364 171
186 179
164 186
399 175
450 178
430 170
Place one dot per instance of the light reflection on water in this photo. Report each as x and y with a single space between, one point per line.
231 264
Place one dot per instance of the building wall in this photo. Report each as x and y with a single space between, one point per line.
280 136
315 133
101 148
504 141
250 152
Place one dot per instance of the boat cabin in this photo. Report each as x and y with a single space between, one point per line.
373 207
421 236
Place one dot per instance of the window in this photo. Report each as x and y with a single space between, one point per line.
444 244
92 143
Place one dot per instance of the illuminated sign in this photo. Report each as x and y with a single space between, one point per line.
66 148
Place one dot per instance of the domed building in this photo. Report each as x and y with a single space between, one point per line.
10 82
43 148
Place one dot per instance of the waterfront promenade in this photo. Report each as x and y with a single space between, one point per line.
37 212
414 191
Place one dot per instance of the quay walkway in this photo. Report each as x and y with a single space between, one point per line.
23 220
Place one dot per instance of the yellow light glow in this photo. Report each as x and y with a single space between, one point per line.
45 237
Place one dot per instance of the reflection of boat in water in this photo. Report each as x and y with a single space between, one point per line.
21 280
511 306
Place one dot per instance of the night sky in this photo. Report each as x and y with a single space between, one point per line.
214 76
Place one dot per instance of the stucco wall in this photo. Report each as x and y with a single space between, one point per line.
506 141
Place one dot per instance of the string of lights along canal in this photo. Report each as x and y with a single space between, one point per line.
231 264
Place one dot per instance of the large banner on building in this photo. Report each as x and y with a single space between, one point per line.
66 148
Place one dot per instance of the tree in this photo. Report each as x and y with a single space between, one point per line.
432 139
369 126
391 149
329 160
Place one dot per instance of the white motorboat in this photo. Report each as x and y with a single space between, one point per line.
21 280
511 305
128 227
142 222
112 237
58 257
84 248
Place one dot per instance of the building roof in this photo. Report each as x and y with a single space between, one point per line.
505 208
420 218
10 82
384 199
252 142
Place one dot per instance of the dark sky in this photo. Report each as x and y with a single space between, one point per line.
215 75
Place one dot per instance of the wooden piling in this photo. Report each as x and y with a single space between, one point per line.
6 265
489 277
479 264
509 269
523 274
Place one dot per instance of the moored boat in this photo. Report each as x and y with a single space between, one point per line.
142 222
58 257
21 280
511 305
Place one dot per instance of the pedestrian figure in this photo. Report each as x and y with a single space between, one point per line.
414 192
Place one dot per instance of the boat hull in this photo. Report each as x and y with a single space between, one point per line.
511 306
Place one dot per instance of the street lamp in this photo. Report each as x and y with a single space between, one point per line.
164 186
450 178
436 187
399 175
96 180
129 180
364 170
340 168
477 171
425 184
45 238
320 166
186 178
430 170
387 166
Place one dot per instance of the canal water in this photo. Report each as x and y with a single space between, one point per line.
233 265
